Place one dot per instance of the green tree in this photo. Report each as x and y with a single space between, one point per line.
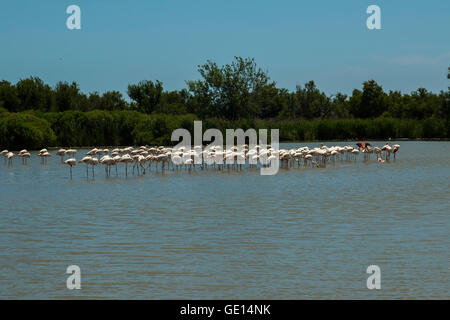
9 96
370 103
339 107
444 108
173 102
112 100
269 100
94 102
34 94
310 102
225 91
146 94
69 97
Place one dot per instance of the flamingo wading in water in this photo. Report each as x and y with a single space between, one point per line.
71 162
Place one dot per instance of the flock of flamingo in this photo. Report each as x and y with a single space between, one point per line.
215 157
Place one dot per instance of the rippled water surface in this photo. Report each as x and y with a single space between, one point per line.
301 234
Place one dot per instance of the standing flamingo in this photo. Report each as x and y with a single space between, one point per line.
61 153
387 149
44 154
116 159
71 152
71 162
23 154
10 157
3 153
355 152
126 159
395 149
360 145
86 160
93 162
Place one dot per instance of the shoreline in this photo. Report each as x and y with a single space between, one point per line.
284 141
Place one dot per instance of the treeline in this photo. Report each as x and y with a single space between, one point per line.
234 91
234 94
34 129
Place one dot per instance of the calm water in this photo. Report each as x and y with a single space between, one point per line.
301 234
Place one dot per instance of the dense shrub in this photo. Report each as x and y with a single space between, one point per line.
35 129
21 130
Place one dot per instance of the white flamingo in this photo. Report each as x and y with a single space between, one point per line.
71 162
86 160
126 159
10 156
93 162
234 157
44 154
61 153
25 156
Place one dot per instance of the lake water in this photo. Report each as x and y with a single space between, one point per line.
301 234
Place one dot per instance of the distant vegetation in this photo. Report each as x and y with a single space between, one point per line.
237 95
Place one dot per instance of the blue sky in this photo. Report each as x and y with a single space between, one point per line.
122 42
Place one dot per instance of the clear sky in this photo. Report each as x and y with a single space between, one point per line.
122 42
